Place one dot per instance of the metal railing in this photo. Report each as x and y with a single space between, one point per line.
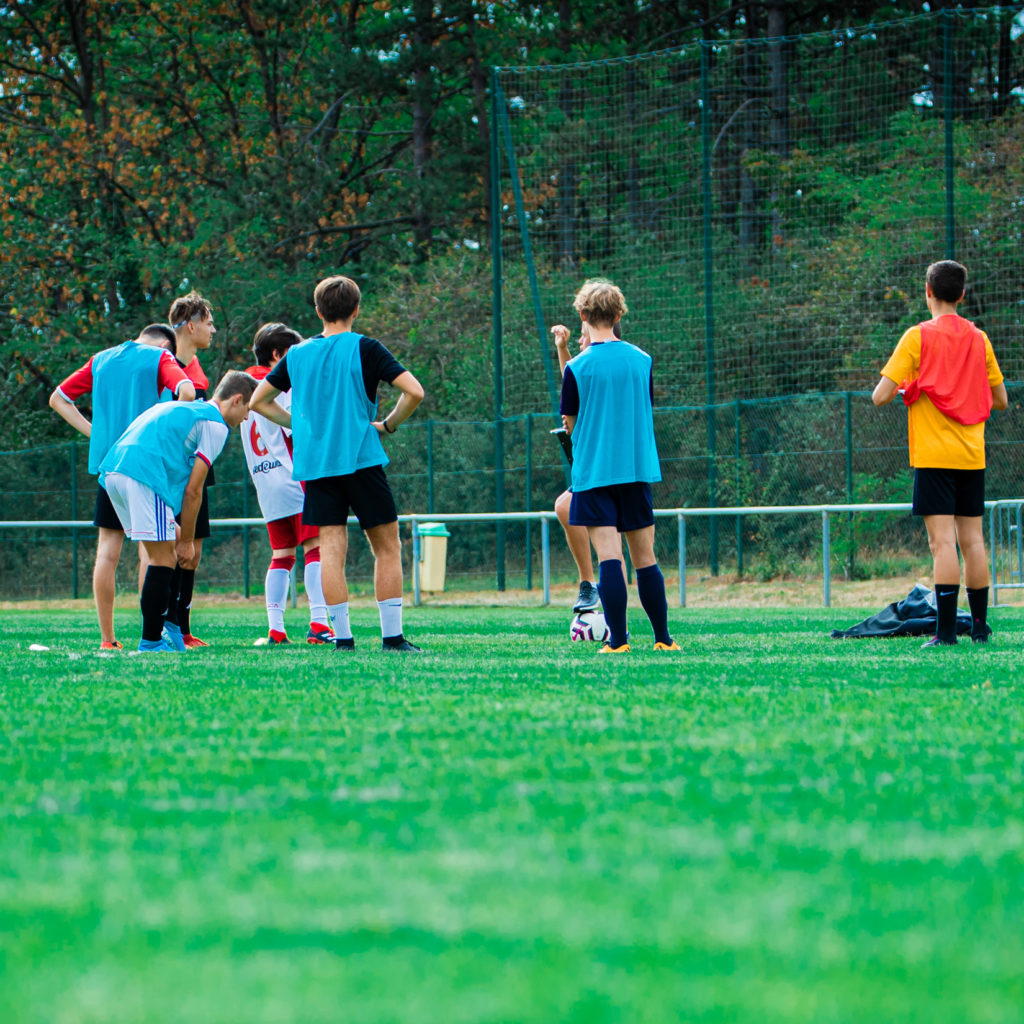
1006 518
1007 545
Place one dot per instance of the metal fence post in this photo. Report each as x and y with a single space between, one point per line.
681 522
739 486
497 99
545 557
826 554
992 546
499 500
430 465
849 484
245 543
529 500
709 309
415 562
74 515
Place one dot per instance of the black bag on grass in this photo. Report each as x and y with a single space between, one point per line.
915 615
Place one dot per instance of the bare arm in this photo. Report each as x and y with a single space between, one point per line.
186 391
561 333
1000 400
569 422
411 396
184 547
69 411
262 401
885 391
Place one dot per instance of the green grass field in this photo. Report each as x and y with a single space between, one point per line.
770 826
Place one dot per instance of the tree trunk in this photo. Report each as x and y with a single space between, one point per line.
422 131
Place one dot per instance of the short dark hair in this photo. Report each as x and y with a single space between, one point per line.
947 280
337 298
235 382
271 338
161 331
185 307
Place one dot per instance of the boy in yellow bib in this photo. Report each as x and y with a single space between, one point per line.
950 381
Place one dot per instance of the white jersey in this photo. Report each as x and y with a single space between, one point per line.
270 464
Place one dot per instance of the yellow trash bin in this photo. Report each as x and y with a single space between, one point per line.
433 555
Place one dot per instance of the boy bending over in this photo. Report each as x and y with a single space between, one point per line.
155 471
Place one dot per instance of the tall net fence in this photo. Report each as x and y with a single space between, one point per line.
768 206
805 449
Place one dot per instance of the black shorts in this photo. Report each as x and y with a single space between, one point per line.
365 493
104 516
202 516
627 507
949 492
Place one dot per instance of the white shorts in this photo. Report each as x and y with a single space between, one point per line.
143 515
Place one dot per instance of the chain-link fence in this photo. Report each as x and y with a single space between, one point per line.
769 206
807 449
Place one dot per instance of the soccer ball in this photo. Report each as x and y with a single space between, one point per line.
589 626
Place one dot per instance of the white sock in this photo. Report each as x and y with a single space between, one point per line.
339 620
276 587
315 593
390 616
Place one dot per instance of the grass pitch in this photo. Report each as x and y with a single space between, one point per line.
770 826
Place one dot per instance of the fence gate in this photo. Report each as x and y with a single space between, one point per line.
1007 546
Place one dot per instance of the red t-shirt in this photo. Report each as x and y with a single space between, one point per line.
169 375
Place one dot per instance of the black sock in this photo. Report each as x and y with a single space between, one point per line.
977 598
172 605
188 581
156 592
611 585
650 585
946 595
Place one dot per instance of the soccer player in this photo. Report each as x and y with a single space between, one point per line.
337 450
155 472
125 381
950 382
576 537
268 454
608 407
191 316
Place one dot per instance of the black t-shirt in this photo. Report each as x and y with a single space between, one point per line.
569 404
377 364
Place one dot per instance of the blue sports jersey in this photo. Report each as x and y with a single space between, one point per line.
332 416
125 381
613 439
159 448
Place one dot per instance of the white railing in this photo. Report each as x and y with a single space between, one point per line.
1005 530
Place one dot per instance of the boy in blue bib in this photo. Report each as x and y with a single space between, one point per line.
608 407
124 381
156 471
338 451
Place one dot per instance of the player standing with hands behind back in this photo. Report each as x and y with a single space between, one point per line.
951 382
608 408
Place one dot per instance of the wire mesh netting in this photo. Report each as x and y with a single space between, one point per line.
805 449
768 206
